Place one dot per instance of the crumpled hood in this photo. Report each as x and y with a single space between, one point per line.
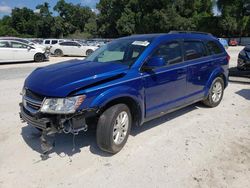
59 80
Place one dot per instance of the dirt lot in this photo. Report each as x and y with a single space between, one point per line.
193 147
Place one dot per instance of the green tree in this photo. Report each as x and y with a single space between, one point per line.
45 21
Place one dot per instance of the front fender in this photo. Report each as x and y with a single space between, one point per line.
117 92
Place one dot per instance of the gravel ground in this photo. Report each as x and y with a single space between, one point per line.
192 147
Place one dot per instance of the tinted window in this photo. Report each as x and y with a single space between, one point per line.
47 42
18 45
54 42
194 50
170 52
64 43
73 44
213 47
4 44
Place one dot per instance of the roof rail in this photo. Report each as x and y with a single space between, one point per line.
189 32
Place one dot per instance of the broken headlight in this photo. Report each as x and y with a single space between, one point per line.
62 105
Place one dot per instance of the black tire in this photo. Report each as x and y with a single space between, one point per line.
39 57
58 52
88 52
105 128
209 101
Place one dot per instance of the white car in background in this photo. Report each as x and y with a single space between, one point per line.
72 48
51 42
25 41
15 51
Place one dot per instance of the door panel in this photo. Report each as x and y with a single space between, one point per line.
200 66
165 88
21 52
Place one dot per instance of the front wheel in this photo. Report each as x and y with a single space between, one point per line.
58 52
215 94
39 57
113 128
88 52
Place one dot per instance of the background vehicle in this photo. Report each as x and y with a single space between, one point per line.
72 48
15 51
50 42
25 41
244 59
127 82
223 42
233 42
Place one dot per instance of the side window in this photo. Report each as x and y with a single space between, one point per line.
54 42
18 45
73 44
4 44
47 42
213 47
64 44
194 50
170 52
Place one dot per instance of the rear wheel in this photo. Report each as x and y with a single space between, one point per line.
39 57
88 52
113 128
216 92
58 52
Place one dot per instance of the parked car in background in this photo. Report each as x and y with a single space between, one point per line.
15 51
51 42
125 83
223 42
244 59
25 41
72 48
233 42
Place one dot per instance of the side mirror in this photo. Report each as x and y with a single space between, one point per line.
154 62
28 48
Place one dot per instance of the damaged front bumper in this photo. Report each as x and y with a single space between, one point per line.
51 123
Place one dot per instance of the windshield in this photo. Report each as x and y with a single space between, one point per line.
124 51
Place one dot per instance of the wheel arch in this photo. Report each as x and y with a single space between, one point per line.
133 105
219 72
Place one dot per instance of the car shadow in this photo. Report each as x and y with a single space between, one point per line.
244 93
165 118
68 145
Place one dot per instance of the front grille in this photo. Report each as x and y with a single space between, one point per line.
32 101
33 95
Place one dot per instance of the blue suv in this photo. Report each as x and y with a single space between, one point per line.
125 83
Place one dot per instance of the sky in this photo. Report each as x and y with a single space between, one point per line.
7 5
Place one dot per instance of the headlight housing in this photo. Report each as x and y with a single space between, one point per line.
62 105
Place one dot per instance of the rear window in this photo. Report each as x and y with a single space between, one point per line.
194 50
214 48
